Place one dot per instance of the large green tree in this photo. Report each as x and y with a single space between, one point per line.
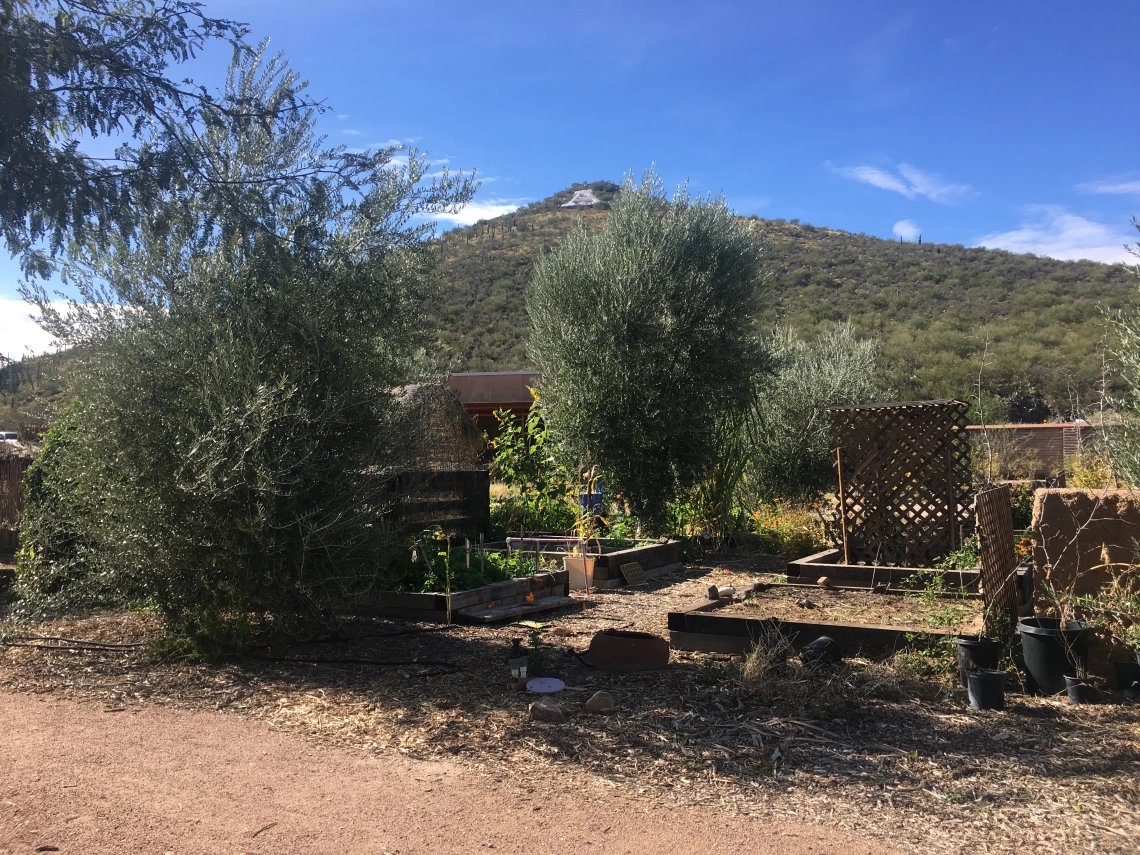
643 334
75 70
790 453
230 449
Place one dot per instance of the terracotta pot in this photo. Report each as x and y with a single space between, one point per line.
626 650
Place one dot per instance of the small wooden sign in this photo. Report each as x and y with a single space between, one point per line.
633 573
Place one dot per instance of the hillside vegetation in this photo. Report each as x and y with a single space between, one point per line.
934 309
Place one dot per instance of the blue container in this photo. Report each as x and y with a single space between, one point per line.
592 502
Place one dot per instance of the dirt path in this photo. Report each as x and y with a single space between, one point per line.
149 780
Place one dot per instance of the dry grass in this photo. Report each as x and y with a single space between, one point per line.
897 758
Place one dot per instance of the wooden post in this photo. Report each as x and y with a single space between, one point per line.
842 505
482 569
467 550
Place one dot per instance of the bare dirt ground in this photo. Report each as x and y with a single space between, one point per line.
148 780
869 753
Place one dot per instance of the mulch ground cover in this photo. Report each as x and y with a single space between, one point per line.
873 747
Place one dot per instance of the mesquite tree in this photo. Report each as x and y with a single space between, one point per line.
644 337
229 454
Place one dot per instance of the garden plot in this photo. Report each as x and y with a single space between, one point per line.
794 603
862 622
471 598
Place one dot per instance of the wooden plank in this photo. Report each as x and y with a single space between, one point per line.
729 633
842 505
998 556
706 643
895 576
509 612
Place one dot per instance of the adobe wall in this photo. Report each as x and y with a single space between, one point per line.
1072 528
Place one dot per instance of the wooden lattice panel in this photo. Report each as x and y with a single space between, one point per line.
904 481
996 551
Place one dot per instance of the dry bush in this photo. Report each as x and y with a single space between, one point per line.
817 689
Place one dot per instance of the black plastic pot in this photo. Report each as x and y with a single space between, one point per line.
1081 690
986 688
823 651
976 653
1051 652
1127 676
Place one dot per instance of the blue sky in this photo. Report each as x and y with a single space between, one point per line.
1006 124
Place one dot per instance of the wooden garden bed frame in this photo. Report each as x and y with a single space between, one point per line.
704 630
829 563
485 604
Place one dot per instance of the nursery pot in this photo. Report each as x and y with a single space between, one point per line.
1127 676
986 687
977 653
1081 690
1051 652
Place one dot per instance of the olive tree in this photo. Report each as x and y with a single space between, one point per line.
789 440
644 336
228 457
1122 440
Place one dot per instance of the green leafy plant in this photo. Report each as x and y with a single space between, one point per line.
536 663
540 490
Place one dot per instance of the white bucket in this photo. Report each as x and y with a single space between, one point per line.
578 579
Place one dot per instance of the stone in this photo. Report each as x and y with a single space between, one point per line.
823 581
548 711
600 702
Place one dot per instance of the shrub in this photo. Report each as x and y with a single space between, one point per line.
238 426
643 334
790 451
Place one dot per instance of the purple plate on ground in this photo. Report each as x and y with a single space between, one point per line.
545 685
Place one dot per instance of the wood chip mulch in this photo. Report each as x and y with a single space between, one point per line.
870 751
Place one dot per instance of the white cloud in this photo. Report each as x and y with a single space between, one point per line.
1053 231
342 116
1122 187
476 211
19 334
907 229
910 181
350 132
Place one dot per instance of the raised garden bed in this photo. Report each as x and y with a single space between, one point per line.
829 563
656 559
516 597
486 604
861 622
